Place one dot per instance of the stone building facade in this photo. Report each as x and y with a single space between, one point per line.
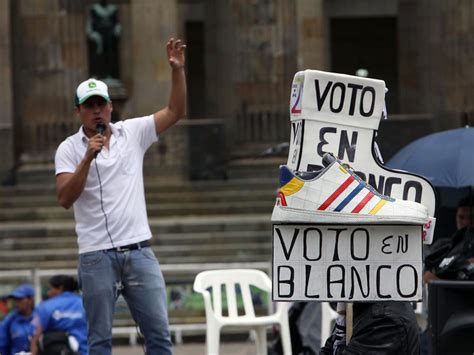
242 55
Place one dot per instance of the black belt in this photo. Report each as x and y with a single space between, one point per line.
129 247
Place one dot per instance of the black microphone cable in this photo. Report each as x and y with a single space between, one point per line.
119 286
100 128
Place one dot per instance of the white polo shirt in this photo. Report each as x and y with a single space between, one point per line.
121 173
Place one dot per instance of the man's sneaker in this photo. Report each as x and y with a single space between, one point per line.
336 194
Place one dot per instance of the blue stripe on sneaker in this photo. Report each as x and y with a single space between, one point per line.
285 175
349 197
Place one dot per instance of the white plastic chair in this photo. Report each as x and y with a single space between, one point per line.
215 320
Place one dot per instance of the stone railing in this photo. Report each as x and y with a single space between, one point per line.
268 127
200 148
190 149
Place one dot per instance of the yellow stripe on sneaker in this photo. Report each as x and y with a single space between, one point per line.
343 170
292 187
378 206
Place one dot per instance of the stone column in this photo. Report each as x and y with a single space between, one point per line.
6 93
152 24
221 61
49 60
436 59
312 51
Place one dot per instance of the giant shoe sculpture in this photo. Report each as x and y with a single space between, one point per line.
345 228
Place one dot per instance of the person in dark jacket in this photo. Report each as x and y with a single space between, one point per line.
453 258
379 328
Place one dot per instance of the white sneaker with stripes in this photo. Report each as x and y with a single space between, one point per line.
337 195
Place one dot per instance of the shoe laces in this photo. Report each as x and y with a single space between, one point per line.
359 179
346 166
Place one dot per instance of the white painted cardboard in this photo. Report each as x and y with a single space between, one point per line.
340 114
315 262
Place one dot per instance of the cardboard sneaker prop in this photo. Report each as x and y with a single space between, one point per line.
345 233
336 194
338 113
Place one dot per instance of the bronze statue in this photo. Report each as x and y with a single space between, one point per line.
103 33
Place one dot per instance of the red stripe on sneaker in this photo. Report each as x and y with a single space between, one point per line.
282 199
336 193
362 203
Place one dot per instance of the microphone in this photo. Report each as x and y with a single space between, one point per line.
99 129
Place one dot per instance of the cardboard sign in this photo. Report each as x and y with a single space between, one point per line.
340 114
315 262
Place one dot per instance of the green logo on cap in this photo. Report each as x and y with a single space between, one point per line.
92 85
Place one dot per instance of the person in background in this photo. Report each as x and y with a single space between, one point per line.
16 330
453 258
4 307
465 213
378 328
61 312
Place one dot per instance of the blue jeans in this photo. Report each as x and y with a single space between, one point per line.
101 273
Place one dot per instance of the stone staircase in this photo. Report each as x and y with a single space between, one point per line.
185 239
163 200
194 223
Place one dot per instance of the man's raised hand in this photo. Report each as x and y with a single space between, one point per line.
175 51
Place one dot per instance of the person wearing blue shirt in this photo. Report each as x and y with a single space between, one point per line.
63 311
16 330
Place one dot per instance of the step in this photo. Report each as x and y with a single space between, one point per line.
159 225
154 210
160 240
43 172
182 250
229 196
156 185
35 173
259 155
43 264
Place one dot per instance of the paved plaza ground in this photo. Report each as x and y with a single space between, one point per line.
227 348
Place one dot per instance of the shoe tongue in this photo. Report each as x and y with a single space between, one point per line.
328 159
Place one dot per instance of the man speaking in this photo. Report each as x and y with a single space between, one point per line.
99 171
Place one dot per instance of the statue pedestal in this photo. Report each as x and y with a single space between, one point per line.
119 96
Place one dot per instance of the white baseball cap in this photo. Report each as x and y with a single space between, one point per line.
91 87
